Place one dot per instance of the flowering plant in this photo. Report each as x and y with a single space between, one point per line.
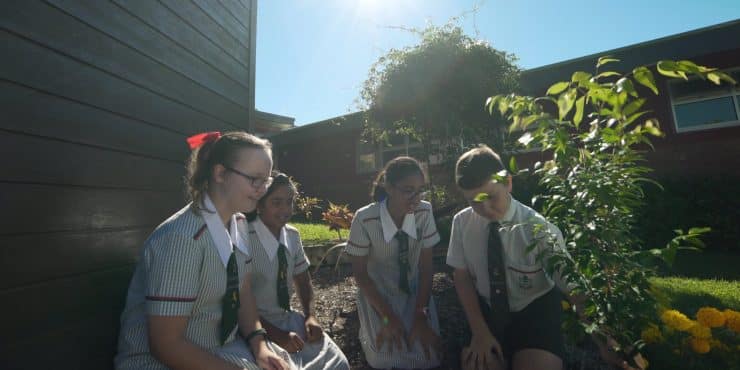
714 332
338 217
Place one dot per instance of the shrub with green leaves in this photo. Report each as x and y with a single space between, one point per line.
596 131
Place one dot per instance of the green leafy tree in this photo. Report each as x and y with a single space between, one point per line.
596 130
433 91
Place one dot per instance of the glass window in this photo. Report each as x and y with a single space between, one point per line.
366 157
393 153
705 112
700 104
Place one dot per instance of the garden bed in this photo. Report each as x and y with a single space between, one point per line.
335 294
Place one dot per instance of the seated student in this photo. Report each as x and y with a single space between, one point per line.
190 304
278 255
511 303
390 243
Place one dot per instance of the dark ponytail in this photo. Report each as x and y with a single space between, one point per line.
394 171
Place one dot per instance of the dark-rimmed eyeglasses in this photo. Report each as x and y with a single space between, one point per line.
256 182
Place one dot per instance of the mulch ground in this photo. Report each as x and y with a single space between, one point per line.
335 293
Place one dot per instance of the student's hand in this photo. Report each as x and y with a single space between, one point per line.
484 352
269 360
392 333
428 339
314 333
610 356
288 340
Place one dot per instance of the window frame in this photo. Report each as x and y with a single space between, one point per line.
734 93
380 149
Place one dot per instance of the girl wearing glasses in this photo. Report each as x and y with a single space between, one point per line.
190 304
280 265
390 243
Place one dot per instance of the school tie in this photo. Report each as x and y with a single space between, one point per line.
497 278
282 278
403 261
230 301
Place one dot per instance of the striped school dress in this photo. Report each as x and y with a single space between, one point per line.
180 272
372 235
324 354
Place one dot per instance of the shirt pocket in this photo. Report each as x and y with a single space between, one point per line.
527 278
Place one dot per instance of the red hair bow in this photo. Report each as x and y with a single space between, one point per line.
196 141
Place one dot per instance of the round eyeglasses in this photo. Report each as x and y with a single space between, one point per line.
255 181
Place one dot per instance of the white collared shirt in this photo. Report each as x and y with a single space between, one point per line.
389 227
525 276
223 239
368 236
270 243
264 266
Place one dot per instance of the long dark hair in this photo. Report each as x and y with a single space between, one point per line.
278 179
394 171
219 151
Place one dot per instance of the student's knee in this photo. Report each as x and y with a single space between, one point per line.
533 358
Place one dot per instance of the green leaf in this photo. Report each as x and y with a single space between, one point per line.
606 59
528 121
503 106
491 102
606 74
633 117
688 66
578 116
725 77
633 106
512 165
699 230
652 127
579 77
644 77
557 88
714 78
480 197
625 84
565 103
718 77
500 176
669 68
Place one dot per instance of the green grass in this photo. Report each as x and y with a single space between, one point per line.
688 294
314 233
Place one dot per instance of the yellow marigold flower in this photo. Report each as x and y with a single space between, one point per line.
565 305
732 320
676 320
652 334
711 317
700 331
700 346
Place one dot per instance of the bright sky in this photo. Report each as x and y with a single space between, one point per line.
314 55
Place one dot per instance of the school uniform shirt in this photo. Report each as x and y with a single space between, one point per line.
526 278
372 235
324 354
182 272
